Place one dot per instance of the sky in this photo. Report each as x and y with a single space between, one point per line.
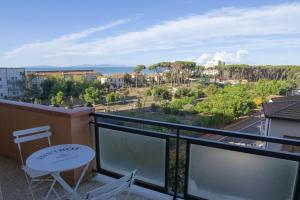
132 32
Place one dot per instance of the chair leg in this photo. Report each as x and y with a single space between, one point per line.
56 194
50 190
30 188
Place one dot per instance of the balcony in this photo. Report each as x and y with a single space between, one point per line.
174 161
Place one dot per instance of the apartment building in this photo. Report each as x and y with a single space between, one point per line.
10 82
115 81
38 76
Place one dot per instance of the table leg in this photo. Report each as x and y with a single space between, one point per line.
81 176
65 185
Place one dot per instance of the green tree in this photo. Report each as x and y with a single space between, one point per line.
211 90
58 99
127 80
111 98
160 93
47 86
159 68
91 95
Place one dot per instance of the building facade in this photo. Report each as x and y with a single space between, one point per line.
282 119
37 77
115 81
210 67
10 82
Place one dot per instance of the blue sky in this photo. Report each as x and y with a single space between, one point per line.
131 32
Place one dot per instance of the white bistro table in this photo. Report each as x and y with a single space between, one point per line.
60 158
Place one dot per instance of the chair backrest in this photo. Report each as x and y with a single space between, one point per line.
110 190
31 134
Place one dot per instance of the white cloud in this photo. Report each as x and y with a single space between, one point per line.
230 57
227 57
64 41
183 33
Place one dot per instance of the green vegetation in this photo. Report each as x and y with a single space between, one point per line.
202 103
91 96
255 73
58 99
220 105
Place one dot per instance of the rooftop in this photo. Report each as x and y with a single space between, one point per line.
283 108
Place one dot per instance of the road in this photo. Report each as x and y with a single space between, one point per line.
250 125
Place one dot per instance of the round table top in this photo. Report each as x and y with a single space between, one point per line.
60 158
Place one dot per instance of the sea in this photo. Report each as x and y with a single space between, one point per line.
102 70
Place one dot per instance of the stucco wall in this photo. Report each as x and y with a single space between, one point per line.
67 126
279 128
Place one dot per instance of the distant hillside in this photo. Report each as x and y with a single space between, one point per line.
76 66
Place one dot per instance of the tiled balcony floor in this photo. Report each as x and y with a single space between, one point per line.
13 185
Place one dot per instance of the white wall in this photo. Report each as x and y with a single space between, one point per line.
279 128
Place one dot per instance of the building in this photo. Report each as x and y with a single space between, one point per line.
282 119
115 81
10 85
137 78
210 67
38 76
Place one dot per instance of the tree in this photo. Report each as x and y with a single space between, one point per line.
91 95
159 68
47 86
58 99
211 90
127 80
137 70
160 93
111 98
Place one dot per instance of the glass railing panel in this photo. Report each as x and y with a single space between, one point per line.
219 174
122 152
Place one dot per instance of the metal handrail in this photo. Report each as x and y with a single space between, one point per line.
192 140
234 134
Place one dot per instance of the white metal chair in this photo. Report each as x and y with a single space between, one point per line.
110 190
31 175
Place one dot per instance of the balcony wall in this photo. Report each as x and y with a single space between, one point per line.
67 126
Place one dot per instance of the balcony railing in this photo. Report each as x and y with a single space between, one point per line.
192 163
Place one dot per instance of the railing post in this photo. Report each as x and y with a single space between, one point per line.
97 143
297 187
187 166
176 164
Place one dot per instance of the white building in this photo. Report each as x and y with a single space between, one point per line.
282 119
210 67
115 81
10 82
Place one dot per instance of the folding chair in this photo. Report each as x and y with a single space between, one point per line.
28 135
110 190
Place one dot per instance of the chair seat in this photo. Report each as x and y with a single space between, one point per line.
33 173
